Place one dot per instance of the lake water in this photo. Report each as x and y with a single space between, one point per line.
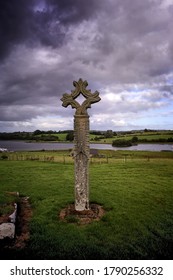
26 146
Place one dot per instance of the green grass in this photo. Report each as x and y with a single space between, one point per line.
61 156
6 203
61 136
136 194
149 137
55 137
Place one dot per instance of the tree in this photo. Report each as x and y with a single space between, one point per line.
134 139
37 132
70 136
109 134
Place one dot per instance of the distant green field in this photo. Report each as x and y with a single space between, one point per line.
149 136
61 136
136 190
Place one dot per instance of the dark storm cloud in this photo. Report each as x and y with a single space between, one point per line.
15 23
137 37
36 21
72 12
122 47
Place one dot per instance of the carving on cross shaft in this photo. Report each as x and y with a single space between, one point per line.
80 88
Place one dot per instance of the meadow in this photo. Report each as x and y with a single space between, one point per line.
135 189
142 136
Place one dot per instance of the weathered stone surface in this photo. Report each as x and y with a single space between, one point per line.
80 88
81 157
7 230
81 140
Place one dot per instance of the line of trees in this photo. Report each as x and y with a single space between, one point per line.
29 136
50 135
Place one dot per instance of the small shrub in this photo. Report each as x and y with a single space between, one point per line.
4 157
134 139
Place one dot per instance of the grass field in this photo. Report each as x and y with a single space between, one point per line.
149 136
136 193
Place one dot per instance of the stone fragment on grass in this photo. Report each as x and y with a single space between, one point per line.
7 230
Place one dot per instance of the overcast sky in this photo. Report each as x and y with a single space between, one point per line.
123 48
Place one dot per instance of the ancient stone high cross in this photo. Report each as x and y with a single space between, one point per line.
81 140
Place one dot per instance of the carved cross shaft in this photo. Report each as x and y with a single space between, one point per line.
81 140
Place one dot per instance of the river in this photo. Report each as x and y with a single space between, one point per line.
37 146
